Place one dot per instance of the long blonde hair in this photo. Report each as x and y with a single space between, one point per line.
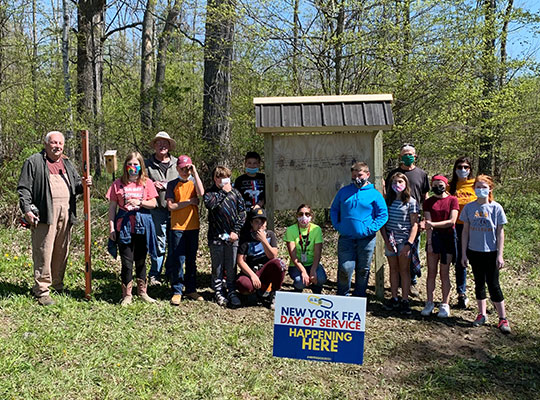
143 176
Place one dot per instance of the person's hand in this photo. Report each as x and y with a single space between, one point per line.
260 235
500 262
405 251
194 201
112 236
422 225
305 278
89 180
256 206
227 187
233 237
428 225
313 278
159 185
464 261
31 218
192 169
135 203
256 281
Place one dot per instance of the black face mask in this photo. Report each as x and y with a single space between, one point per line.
439 189
359 182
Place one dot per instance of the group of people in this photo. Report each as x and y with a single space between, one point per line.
154 209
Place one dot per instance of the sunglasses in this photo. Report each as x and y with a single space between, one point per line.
300 214
463 167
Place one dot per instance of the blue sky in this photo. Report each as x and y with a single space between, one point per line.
523 40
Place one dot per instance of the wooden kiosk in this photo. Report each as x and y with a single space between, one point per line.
310 144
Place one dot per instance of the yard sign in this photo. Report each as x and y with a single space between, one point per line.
319 327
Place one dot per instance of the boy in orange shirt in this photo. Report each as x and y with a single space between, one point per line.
183 203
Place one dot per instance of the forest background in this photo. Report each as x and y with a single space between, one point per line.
126 69
465 79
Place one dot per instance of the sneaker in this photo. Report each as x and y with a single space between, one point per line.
444 311
176 299
194 296
405 308
268 300
413 290
154 281
428 309
45 300
479 321
462 302
504 327
221 300
392 304
234 301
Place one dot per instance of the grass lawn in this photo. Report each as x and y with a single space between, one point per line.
99 350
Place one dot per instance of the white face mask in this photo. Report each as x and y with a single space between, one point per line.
225 181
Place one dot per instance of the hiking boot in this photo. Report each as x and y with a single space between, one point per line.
46 300
462 302
479 321
221 300
444 311
194 296
176 299
154 281
504 327
428 309
141 291
269 300
234 301
405 308
413 290
127 298
392 304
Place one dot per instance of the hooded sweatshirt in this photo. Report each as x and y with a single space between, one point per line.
358 212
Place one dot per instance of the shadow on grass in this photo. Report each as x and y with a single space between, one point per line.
8 289
511 371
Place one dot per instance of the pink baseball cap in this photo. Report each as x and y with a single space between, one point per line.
183 161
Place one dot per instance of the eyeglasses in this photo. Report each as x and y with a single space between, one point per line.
301 214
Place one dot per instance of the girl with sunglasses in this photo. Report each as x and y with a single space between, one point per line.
304 243
462 186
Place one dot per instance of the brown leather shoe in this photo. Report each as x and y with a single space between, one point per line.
194 296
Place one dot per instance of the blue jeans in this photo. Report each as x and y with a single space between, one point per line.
354 255
183 245
223 256
461 271
160 216
298 284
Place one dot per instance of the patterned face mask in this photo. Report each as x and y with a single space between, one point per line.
133 170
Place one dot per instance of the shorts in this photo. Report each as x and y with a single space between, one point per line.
444 243
389 253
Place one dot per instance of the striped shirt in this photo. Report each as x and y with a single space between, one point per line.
399 219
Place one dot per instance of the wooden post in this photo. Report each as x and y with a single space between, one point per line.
378 181
269 178
87 227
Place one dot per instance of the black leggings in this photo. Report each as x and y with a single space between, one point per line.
485 270
133 252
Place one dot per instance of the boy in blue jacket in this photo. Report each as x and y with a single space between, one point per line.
358 212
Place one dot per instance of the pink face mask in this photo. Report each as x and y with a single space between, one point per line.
304 220
398 187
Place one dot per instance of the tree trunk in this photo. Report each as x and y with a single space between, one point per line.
3 20
296 50
163 44
485 164
90 21
65 62
147 57
34 65
338 48
218 53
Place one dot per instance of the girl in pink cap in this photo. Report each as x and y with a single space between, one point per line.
440 212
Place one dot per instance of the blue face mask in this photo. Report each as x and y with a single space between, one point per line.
252 170
481 193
